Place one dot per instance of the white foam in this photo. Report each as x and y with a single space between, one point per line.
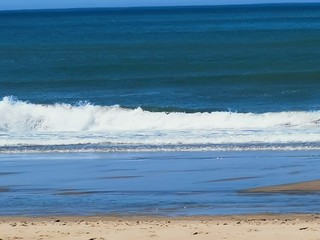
23 123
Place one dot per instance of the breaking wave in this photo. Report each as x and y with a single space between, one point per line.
28 124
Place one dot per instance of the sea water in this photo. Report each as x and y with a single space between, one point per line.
197 80
155 183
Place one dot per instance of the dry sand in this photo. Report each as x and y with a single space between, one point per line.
306 227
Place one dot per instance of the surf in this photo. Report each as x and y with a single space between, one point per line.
85 126
23 116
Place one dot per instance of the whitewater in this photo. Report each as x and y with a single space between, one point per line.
25 126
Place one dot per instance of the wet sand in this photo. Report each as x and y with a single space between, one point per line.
298 188
123 228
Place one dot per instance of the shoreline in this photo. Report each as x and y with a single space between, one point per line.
113 217
259 226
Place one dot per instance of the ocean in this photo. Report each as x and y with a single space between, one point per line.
206 82
197 78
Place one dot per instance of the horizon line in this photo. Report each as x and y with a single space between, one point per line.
159 6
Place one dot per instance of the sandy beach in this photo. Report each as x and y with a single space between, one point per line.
124 228
259 226
62 212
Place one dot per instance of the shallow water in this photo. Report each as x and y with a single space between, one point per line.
162 183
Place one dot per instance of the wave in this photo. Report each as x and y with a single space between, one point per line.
17 116
27 124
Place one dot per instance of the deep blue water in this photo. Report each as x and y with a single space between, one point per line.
262 58
160 78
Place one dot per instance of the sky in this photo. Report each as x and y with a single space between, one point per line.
49 4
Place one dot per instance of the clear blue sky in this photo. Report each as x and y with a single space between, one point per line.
44 4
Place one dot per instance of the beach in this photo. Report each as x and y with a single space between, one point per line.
77 201
213 195
197 122
260 227
152 195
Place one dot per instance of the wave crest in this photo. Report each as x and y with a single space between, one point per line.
25 126
19 116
